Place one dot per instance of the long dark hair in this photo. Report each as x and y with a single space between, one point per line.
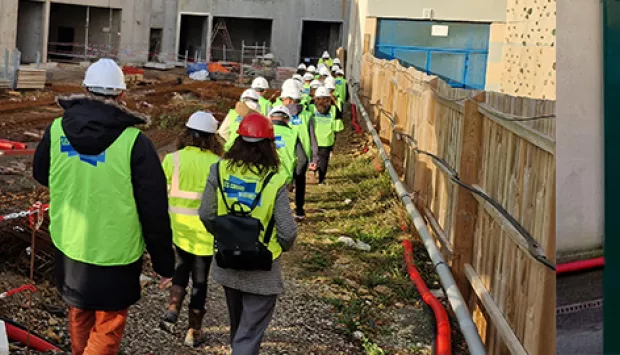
259 158
203 141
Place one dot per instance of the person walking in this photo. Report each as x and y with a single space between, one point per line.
245 206
248 103
259 85
327 124
108 202
326 59
302 121
187 170
288 145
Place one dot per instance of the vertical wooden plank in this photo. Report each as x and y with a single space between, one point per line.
466 205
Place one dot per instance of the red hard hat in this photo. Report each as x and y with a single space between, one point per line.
256 126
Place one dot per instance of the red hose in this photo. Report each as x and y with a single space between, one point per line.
581 265
358 129
15 152
444 333
8 145
21 335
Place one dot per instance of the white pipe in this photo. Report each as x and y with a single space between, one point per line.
458 304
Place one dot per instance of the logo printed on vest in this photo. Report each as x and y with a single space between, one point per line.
296 121
338 81
238 119
280 142
323 119
66 147
244 192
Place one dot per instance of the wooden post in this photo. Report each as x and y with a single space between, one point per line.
466 204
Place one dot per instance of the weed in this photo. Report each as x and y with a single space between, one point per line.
317 262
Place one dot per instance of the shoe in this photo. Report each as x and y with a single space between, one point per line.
194 337
299 217
170 317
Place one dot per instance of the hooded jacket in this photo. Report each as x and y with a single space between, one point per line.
92 124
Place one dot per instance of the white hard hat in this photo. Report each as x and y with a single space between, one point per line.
325 54
203 122
280 109
298 78
315 84
335 67
293 93
105 77
324 72
260 83
336 60
290 83
302 66
321 66
308 77
340 72
329 79
250 94
330 85
322 92
311 69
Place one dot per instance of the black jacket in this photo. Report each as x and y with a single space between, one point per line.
91 126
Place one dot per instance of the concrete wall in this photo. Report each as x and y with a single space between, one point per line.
135 31
30 30
449 10
529 55
363 14
580 191
100 23
8 26
287 18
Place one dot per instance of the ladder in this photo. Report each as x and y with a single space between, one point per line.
220 26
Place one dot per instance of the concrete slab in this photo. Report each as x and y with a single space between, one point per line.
580 332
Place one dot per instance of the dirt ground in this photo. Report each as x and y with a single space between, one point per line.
338 300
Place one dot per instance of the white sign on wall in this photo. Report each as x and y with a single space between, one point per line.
440 31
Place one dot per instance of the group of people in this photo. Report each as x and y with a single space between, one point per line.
221 201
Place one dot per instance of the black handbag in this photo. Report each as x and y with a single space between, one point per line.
237 235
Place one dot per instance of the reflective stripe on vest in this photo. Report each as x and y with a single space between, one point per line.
187 171
183 211
93 214
174 188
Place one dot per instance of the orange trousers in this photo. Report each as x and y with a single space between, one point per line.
96 332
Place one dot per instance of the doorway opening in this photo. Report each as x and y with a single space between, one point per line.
155 43
193 37
317 37
249 31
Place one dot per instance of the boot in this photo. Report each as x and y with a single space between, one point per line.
177 294
194 333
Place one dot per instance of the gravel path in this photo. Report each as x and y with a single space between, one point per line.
301 325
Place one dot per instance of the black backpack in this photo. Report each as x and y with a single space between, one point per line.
237 235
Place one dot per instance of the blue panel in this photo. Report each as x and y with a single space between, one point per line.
460 58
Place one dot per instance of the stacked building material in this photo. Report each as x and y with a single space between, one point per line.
31 78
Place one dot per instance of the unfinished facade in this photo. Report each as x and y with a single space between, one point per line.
171 30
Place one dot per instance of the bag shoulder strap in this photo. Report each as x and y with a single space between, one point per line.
256 199
269 230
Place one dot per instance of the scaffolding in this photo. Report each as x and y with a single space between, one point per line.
220 28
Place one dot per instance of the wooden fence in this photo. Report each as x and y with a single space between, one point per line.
501 145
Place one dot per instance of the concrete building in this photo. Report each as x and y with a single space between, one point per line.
139 30
580 134
445 37
527 65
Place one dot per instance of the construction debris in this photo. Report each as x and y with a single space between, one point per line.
31 78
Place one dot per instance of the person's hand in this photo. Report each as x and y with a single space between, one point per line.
312 167
164 282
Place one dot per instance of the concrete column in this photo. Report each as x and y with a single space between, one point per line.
45 30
